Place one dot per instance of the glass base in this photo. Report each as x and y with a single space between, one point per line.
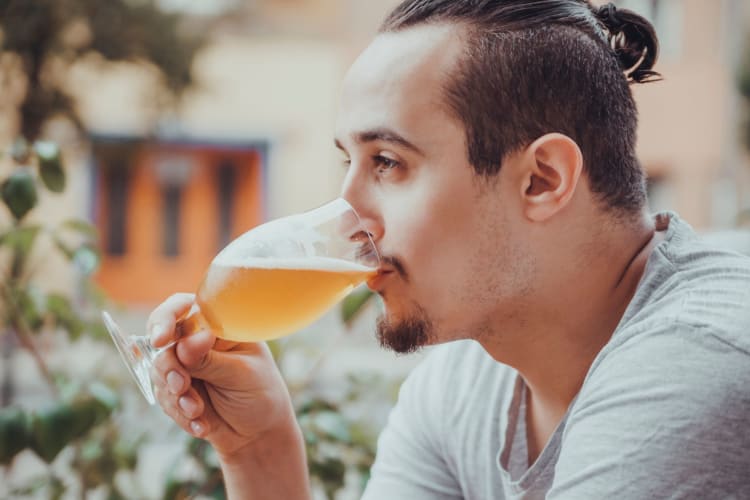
136 352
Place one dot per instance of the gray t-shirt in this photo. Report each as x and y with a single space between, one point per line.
664 411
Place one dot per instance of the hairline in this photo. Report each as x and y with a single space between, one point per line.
467 32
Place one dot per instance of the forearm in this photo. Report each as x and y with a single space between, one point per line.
272 467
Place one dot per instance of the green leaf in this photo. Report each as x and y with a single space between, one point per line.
330 471
180 490
96 330
57 488
14 433
19 192
21 238
105 397
354 303
50 166
53 429
81 226
115 494
64 315
333 425
218 492
125 452
66 250
26 304
34 487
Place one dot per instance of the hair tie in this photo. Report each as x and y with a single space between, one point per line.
608 14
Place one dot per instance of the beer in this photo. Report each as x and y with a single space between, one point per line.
262 299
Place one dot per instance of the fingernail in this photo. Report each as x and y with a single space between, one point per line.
197 427
175 381
188 405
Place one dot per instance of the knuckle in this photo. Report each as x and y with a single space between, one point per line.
178 301
203 362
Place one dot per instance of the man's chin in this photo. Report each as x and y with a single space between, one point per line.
404 336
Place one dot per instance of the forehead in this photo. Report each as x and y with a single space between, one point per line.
400 76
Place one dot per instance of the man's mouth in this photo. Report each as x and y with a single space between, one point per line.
376 283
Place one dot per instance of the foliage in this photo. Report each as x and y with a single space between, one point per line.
39 42
42 39
339 441
77 417
354 303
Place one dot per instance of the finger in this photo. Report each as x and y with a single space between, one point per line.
191 404
161 322
170 406
222 368
168 372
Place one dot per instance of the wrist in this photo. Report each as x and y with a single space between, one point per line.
272 466
276 442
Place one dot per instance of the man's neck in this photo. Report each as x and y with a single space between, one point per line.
558 337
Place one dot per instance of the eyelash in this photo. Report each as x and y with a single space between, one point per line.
381 162
385 163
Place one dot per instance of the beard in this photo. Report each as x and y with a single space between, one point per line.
407 335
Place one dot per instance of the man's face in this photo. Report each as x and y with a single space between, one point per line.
445 235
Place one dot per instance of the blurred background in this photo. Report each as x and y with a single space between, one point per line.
139 137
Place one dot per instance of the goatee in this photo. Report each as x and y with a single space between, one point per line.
405 336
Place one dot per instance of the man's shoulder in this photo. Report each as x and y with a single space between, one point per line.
691 285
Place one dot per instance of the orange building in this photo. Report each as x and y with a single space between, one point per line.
165 209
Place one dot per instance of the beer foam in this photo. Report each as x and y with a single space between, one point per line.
299 263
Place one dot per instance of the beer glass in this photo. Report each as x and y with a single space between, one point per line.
270 282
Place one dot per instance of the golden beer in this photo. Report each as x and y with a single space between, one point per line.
263 299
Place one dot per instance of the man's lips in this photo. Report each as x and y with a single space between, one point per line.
376 282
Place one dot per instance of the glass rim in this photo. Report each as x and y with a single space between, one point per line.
348 205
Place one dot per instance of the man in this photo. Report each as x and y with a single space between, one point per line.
588 349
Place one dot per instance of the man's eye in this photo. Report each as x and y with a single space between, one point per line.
384 163
346 162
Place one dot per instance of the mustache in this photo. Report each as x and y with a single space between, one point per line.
396 264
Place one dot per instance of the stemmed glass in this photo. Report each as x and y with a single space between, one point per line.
270 282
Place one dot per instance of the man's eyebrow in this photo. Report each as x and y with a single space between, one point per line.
384 135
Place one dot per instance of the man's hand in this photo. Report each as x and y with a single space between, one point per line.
229 393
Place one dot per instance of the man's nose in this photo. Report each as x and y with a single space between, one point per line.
355 190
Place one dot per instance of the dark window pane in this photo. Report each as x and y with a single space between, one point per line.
226 176
117 180
172 195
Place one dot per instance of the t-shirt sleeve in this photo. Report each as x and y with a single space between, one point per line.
666 415
410 462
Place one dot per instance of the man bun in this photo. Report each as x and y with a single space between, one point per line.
634 41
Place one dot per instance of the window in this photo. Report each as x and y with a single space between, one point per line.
116 181
173 172
226 178
171 194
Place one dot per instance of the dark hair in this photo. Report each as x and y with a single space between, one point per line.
531 67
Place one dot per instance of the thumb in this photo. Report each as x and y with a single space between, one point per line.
194 349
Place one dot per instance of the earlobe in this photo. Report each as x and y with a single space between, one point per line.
553 167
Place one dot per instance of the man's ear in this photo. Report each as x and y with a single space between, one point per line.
552 167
